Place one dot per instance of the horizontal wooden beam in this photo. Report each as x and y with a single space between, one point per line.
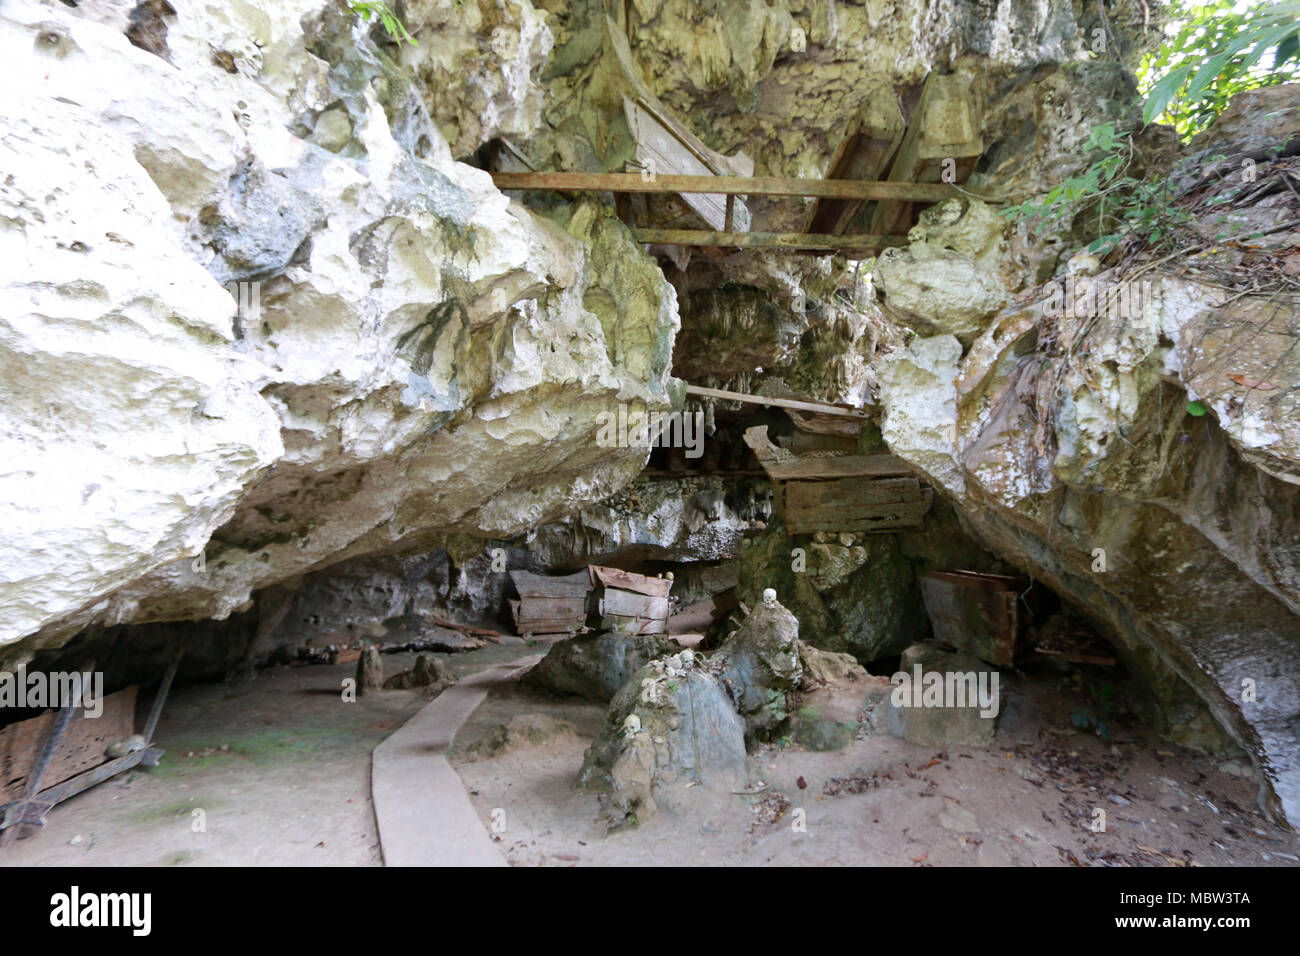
737 186
767 240
846 466
700 390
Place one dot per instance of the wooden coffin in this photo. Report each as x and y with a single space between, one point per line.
632 603
549 605
81 748
974 612
853 504
831 492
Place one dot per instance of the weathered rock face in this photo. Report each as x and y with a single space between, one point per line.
787 84
947 279
693 519
909 712
595 666
477 65
661 734
857 594
759 665
418 355
1069 443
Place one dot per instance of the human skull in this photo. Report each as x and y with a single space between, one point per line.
631 725
769 596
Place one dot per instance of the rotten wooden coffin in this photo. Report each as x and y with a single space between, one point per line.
631 603
975 612
550 605
82 746
855 493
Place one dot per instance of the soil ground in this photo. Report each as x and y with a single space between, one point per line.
1028 800
281 768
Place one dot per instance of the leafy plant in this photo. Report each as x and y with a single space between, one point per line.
1212 52
1123 203
392 25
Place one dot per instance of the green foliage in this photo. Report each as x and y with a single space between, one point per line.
1123 204
1196 409
394 27
1212 52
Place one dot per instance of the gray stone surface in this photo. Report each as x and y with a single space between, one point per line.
945 725
685 731
595 666
759 665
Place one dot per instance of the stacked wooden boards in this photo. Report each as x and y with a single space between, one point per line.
631 603
550 605
854 493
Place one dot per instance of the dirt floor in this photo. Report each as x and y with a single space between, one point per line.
1029 800
280 766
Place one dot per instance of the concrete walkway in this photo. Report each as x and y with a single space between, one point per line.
424 815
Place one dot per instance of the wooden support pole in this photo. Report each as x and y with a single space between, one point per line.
738 186
767 240
780 402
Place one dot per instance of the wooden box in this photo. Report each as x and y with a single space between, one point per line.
631 603
549 605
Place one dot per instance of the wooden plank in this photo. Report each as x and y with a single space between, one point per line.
947 112
737 185
822 407
862 155
818 423
801 442
762 447
897 523
634 625
531 608
627 80
82 747
630 581
845 466
556 626
541 585
766 240
835 516
538 615
662 149
852 493
628 604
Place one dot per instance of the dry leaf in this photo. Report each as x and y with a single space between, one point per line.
1252 382
921 859
1291 264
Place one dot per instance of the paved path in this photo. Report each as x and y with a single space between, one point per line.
424 815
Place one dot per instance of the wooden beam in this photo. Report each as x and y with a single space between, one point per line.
766 240
845 466
780 402
736 185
